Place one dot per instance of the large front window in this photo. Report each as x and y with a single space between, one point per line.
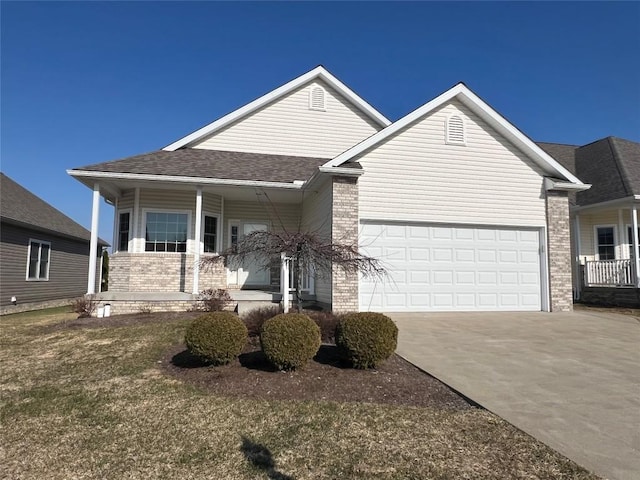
166 232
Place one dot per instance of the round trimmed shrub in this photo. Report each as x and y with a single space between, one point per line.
366 339
290 340
216 337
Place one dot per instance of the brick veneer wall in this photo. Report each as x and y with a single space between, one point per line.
160 272
559 248
344 286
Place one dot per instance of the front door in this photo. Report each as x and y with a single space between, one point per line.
250 272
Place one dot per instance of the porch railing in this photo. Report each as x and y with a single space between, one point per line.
610 273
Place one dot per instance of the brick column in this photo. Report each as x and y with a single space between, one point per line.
344 229
559 251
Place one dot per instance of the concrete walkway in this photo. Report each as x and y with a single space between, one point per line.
570 380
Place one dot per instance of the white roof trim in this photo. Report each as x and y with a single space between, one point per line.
553 184
471 100
318 72
182 179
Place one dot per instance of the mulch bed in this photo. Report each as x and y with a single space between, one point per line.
325 378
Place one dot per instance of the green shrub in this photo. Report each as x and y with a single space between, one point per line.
290 340
254 319
216 337
366 339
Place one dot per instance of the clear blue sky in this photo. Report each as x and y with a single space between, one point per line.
83 83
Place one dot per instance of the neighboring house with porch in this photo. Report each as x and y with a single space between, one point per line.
605 219
44 255
464 210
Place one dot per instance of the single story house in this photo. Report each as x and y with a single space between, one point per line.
464 210
604 218
44 255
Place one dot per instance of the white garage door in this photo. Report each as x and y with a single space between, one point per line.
449 268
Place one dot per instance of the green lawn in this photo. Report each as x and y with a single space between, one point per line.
94 403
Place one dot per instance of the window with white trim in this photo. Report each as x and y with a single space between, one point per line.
166 232
124 228
210 234
455 134
317 98
605 243
38 260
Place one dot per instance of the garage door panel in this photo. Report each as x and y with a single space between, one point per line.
452 268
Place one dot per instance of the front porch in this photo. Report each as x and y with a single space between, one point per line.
119 303
606 244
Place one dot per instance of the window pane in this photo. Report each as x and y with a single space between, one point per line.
606 252
123 235
44 261
605 236
33 259
33 268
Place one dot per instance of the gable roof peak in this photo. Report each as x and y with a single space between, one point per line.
463 93
317 72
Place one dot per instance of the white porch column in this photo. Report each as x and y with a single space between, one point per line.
578 246
93 245
136 214
636 257
116 226
284 281
196 243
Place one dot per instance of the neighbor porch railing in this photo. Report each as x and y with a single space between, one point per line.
610 273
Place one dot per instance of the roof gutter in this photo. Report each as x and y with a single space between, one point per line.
554 184
324 170
626 202
181 179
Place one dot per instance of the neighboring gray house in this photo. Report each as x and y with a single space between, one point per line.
44 255
605 249
466 212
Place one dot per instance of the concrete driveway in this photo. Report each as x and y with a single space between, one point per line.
571 380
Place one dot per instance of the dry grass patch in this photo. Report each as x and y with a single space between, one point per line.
94 403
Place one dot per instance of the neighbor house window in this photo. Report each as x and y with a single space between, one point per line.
210 236
605 243
166 232
38 260
124 220
455 130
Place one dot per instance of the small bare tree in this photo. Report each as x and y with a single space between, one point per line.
308 251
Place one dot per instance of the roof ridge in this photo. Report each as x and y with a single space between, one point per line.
622 168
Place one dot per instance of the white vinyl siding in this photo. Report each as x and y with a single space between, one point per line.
289 127
588 224
316 218
416 176
277 216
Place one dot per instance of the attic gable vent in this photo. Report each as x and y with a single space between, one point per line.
455 130
317 98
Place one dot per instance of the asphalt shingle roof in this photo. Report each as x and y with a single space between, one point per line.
194 162
611 165
19 205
